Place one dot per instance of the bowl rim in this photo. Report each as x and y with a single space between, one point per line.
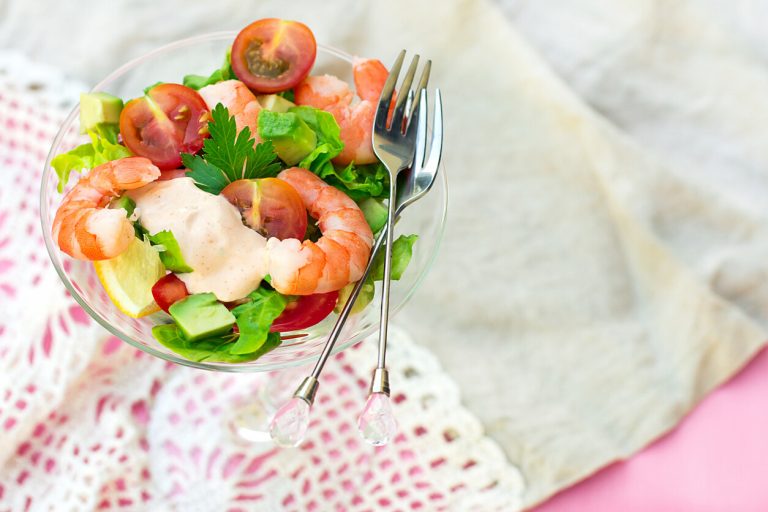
172 357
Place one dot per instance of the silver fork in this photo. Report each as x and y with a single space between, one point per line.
376 423
395 145
290 423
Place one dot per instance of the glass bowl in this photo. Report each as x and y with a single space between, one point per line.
201 55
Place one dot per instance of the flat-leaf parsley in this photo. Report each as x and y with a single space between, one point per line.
229 156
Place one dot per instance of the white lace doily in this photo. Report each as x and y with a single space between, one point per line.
89 423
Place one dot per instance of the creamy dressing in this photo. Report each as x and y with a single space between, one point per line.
228 258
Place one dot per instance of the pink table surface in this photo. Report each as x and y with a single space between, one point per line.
715 460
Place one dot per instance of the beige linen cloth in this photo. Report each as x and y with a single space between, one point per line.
595 281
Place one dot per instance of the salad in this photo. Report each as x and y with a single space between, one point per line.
234 206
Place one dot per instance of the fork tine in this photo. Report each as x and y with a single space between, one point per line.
423 82
421 131
405 87
407 81
382 111
406 179
436 149
409 102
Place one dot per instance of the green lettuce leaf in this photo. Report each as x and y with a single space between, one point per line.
225 354
319 159
215 350
171 337
102 148
170 252
225 72
292 138
328 133
147 88
78 159
357 181
254 319
322 123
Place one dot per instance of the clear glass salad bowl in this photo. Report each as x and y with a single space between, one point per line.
201 55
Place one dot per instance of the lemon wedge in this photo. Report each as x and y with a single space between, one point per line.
128 278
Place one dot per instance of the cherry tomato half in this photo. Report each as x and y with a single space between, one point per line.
272 55
168 120
305 312
169 290
270 206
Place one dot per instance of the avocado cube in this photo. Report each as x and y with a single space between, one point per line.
375 213
201 316
290 135
364 297
124 202
274 102
98 107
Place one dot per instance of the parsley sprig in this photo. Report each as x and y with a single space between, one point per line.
229 156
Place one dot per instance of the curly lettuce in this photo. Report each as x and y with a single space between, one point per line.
217 349
225 72
103 148
357 181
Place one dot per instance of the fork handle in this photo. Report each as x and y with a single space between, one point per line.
347 309
386 285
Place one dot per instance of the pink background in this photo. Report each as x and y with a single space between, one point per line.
714 461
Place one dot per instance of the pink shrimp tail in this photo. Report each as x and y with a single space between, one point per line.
370 75
355 120
83 227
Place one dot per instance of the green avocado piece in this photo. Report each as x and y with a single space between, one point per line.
97 108
274 103
201 316
363 299
375 213
124 202
290 135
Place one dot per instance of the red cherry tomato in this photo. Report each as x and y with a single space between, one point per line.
270 206
169 120
305 312
272 55
169 290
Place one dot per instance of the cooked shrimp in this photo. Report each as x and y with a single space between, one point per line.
355 120
341 254
83 227
370 75
238 99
